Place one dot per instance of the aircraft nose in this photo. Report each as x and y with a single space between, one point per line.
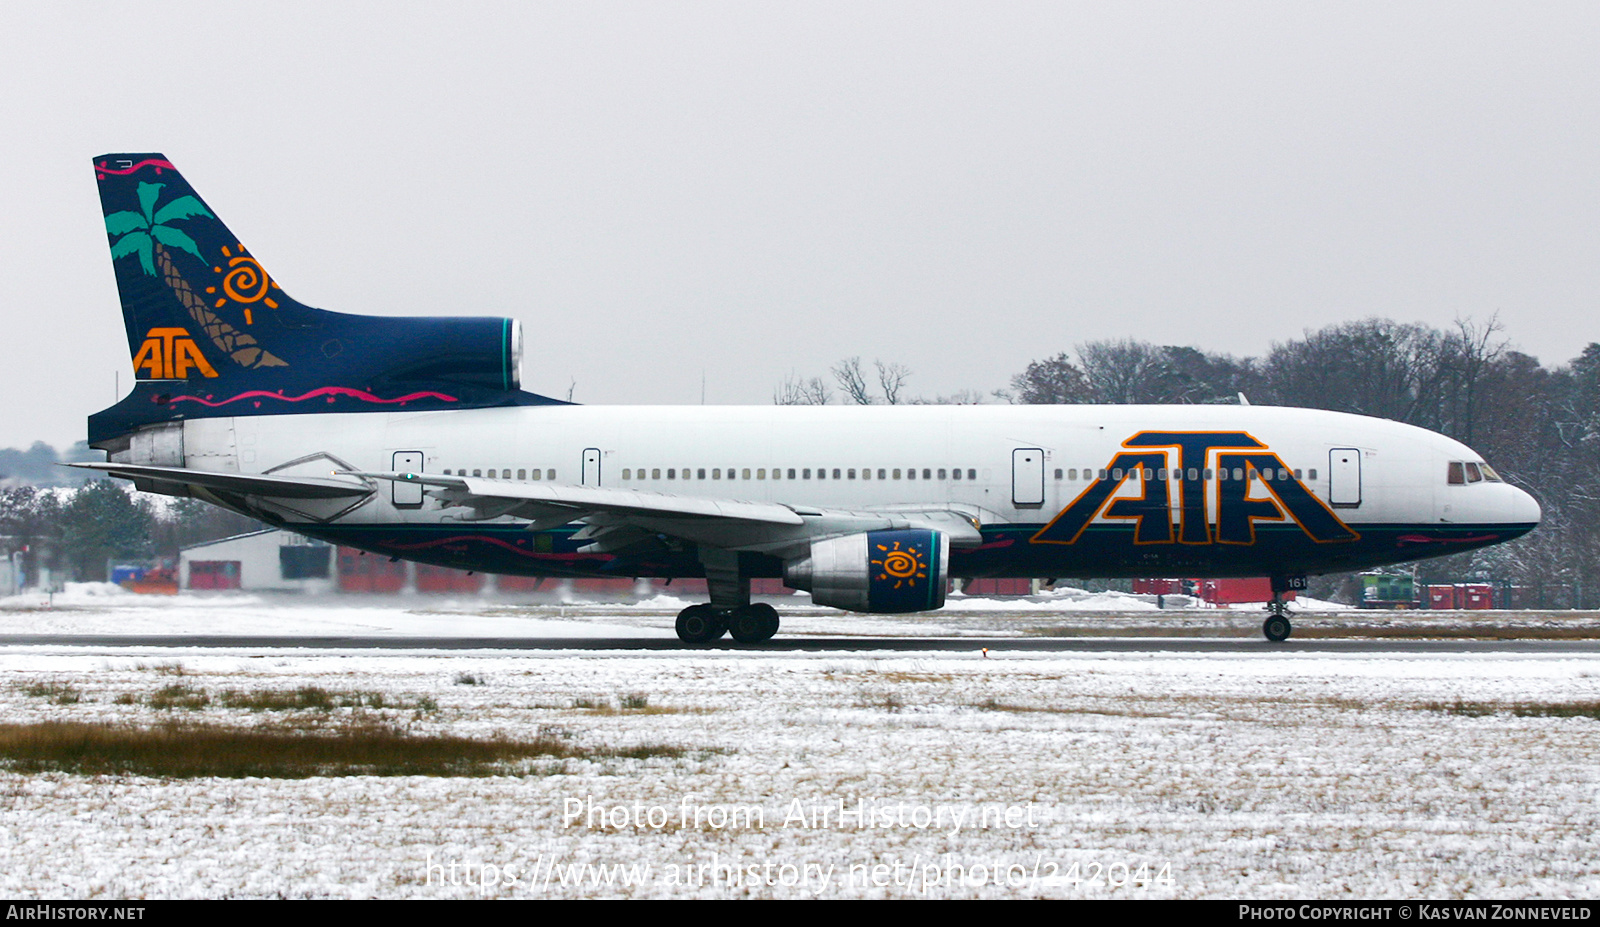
1523 508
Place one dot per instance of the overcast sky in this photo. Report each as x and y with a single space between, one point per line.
664 190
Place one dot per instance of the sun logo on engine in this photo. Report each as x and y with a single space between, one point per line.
244 281
905 567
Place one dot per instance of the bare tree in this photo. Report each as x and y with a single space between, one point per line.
854 383
1125 371
892 378
794 391
1053 380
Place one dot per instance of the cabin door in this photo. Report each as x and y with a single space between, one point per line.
1344 477
1027 476
409 494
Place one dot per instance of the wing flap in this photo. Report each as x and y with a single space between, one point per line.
585 499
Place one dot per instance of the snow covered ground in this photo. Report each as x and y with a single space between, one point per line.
1062 775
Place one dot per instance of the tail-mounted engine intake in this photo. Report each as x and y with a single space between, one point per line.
879 571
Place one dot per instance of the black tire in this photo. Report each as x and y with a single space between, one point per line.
753 624
1276 628
700 624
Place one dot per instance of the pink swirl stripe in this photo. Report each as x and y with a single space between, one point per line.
1424 539
321 391
147 162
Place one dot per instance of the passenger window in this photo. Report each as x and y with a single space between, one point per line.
626 473
655 473
716 473
835 472
1312 474
1072 474
926 471
941 473
743 474
761 473
477 473
1058 473
955 474
549 474
1115 474
897 473
853 473
972 474
1194 474
791 474
672 473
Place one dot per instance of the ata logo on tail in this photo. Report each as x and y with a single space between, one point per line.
1174 472
168 354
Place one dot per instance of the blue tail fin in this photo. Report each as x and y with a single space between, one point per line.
211 333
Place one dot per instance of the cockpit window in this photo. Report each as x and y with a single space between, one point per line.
1462 472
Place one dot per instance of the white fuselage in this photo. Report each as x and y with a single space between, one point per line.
854 458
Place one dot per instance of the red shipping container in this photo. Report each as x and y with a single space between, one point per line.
1477 595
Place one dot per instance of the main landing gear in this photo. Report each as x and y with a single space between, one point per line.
1277 627
730 610
748 624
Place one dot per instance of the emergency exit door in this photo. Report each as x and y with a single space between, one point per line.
591 466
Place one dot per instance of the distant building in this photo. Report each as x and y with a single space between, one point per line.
270 560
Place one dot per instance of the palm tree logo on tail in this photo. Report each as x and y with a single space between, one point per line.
147 235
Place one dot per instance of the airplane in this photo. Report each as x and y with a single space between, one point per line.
412 438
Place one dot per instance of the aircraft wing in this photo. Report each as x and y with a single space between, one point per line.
256 484
617 517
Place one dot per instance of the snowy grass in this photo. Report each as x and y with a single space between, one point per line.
1276 775
1273 774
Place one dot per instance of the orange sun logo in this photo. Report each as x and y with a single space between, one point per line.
243 282
904 566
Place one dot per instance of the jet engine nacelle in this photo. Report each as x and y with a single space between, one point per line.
877 571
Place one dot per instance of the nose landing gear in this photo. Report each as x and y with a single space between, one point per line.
1277 627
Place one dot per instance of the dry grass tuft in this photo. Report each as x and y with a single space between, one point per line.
59 693
363 749
1588 709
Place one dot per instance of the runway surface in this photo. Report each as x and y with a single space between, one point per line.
1241 646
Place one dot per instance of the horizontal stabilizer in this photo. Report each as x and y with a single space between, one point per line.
255 484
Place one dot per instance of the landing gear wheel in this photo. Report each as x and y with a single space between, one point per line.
753 624
1276 628
700 624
